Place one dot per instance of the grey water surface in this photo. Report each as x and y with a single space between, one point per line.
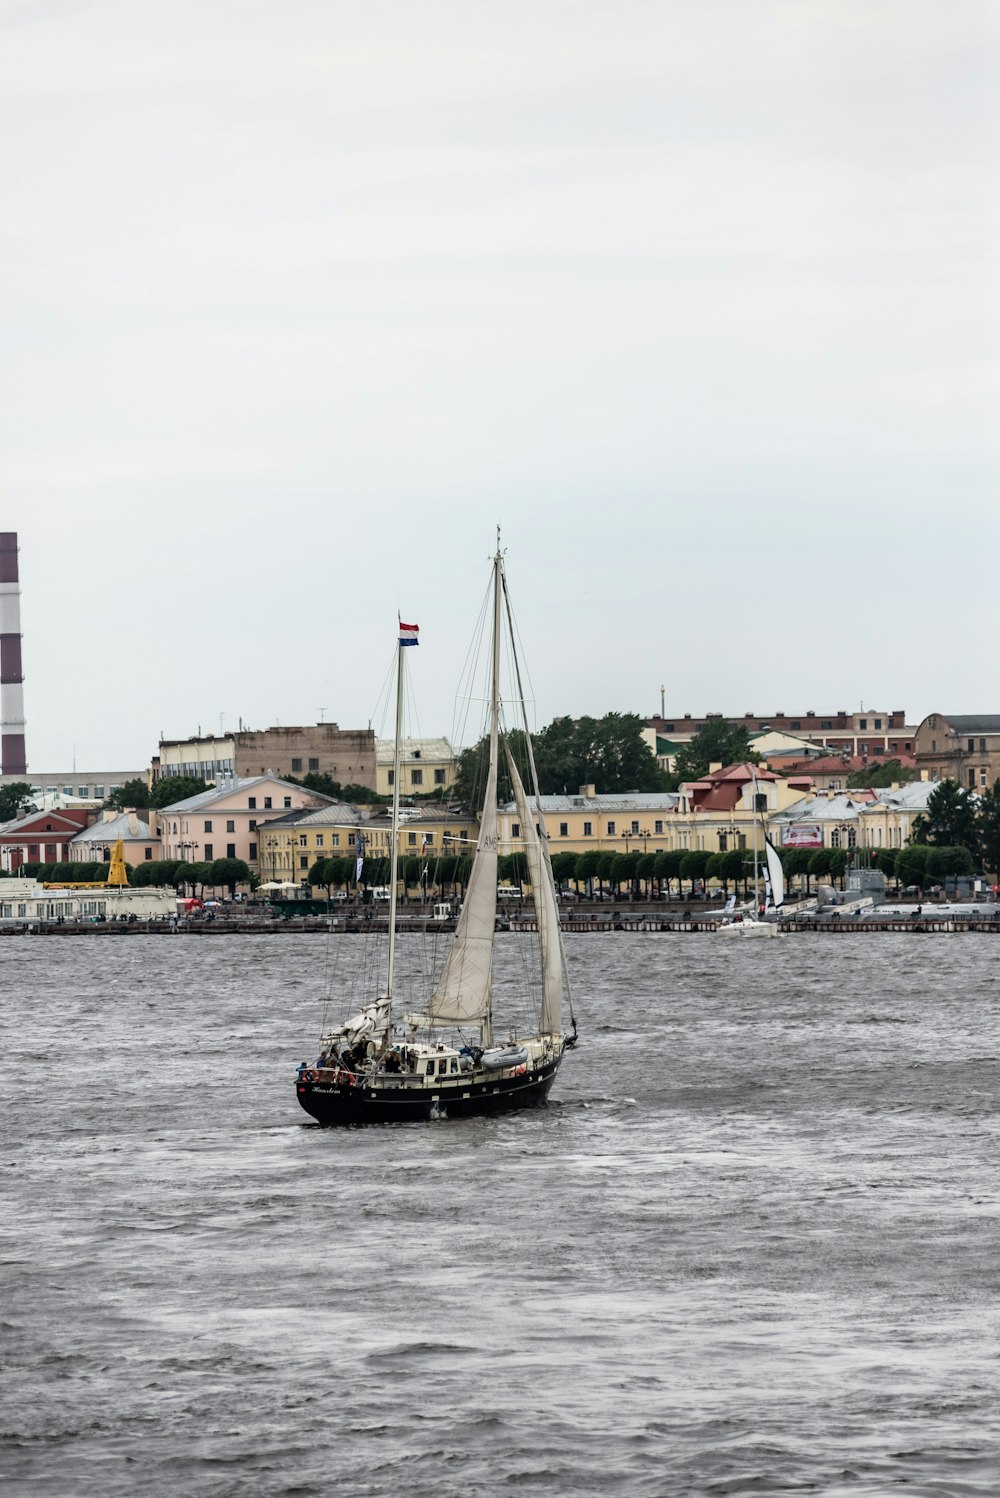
750 1247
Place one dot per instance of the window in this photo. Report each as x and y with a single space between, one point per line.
230 826
319 839
972 780
972 746
564 829
296 766
835 838
416 777
795 725
209 854
252 804
67 790
303 840
878 722
84 791
658 829
314 764
982 775
611 830
303 860
392 776
826 723
439 777
635 826
852 837
230 850
982 746
863 748
253 851
149 854
288 800
335 840
863 725
267 803
411 839
253 824
588 829
207 827
723 840
515 829
99 792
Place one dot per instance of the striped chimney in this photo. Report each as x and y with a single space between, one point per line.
12 760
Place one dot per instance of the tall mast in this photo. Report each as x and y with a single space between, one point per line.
394 837
756 871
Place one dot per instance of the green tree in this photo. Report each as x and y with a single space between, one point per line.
988 829
911 864
228 873
12 798
362 795
586 869
945 863
950 820
176 788
134 793
719 742
880 774
609 753
693 865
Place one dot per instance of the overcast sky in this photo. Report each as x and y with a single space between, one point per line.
697 299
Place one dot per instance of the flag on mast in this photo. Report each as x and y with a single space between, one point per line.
408 633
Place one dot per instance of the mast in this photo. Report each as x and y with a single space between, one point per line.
494 734
756 859
394 839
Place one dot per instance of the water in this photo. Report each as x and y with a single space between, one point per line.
751 1247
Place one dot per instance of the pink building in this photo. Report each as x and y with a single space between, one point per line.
222 822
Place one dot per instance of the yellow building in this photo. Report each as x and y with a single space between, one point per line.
290 844
425 766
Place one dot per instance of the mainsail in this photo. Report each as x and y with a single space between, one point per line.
776 874
546 910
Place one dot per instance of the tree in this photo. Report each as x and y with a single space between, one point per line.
176 788
719 742
229 872
134 793
586 869
693 865
881 773
609 753
945 863
12 798
988 828
911 864
950 821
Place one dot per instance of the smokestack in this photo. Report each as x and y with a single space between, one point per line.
12 760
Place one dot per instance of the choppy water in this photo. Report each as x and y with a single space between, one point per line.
751 1247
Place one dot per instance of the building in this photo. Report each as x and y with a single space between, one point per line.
82 785
831 773
289 845
223 822
864 819
140 840
42 836
964 747
425 766
346 755
620 822
25 900
868 731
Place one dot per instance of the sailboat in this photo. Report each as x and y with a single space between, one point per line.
445 1055
749 923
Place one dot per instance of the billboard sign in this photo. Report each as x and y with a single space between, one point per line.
802 835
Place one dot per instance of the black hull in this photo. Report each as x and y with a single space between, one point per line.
334 1103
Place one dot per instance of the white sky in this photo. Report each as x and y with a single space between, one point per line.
299 300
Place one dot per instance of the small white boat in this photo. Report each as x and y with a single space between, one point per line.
748 924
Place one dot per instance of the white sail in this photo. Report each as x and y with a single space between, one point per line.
776 874
546 910
464 993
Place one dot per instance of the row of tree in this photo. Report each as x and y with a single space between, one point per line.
220 873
